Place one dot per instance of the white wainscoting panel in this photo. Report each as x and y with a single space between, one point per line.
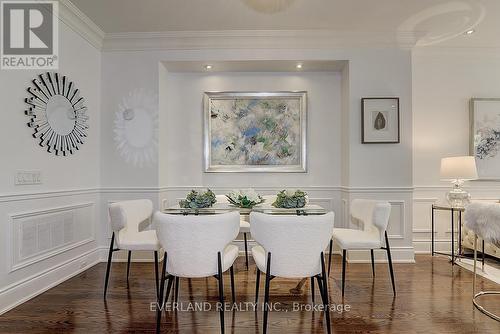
37 235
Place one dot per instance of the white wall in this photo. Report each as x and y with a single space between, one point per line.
377 171
69 184
184 128
443 82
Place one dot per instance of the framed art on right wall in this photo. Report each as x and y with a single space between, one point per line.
485 136
380 120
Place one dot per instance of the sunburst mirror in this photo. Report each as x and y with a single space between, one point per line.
136 128
57 112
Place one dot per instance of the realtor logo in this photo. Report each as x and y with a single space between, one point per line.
29 35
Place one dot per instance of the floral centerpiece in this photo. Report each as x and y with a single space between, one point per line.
289 199
197 200
244 198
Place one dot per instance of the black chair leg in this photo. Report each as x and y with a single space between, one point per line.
325 294
128 263
246 249
312 289
176 289
169 287
266 291
389 258
231 271
319 279
156 275
344 254
221 292
110 255
257 283
373 262
330 249
160 303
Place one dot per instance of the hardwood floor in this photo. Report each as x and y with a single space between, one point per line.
432 297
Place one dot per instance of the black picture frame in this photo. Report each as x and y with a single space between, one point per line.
364 139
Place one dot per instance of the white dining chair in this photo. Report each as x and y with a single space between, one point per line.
374 217
244 226
269 199
197 246
291 247
125 218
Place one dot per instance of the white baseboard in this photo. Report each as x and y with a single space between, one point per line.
30 287
137 256
399 255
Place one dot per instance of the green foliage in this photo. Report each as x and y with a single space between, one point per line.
244 202
288 200
195 200
246 198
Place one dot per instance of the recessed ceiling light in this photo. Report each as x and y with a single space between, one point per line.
208 67
470 32
298 66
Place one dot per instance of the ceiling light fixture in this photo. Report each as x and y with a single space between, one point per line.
298 66
470 32
208 67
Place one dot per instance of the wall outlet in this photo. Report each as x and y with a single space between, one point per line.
25 177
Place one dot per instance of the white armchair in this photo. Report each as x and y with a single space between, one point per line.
125 218
269 199
296 244
197 246
244 226
374 217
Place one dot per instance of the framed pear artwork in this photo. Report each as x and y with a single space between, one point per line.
380 120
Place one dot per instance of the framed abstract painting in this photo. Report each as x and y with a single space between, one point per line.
485 136
255 131
380 120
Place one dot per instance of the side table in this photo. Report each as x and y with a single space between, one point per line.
453 211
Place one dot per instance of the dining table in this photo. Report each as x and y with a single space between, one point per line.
218 208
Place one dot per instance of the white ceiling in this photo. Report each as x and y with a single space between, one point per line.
432 21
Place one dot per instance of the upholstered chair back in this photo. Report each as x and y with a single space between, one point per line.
192 242
295 242
128 215
221 199
372 214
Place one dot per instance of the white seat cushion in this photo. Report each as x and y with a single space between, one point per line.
356 239
145 240
259 256
230 255
244 226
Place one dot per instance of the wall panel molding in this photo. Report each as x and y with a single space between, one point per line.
41 234
25 196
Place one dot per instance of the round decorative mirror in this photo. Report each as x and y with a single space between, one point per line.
136 128
57 113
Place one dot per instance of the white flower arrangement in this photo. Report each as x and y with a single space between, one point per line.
244 198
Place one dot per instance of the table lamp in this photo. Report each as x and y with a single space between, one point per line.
457 170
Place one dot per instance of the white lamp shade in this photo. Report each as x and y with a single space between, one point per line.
458 168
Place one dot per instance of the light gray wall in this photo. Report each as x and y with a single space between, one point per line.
184 128
32 217
444 80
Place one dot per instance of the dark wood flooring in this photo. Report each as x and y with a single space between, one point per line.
432 297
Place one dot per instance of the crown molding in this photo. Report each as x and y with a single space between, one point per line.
80 23
255 39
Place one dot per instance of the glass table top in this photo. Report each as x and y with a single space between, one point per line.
218 208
